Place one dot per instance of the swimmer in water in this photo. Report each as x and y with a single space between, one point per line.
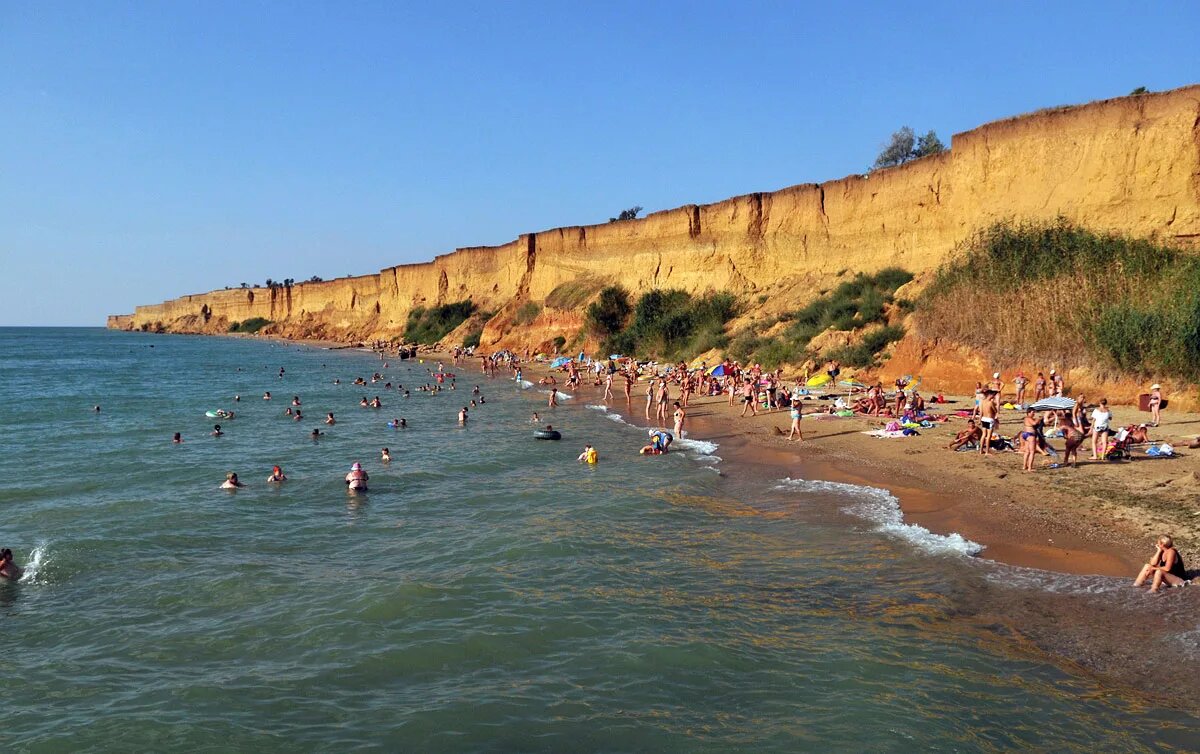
329 419
589 454
406 393
385 456
231 482
277 476
462 416
217 431
237 399
375 402
315 434
8 567
403 423
357 478
288 411
96 409
298 416
535 419
267 396
364 402
178 438
295 400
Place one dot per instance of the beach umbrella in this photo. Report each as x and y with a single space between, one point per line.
559 362
1054 403
853 384
614 356
717 371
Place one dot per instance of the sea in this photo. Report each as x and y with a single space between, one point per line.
489 593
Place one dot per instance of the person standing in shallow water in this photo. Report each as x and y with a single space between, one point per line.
679 415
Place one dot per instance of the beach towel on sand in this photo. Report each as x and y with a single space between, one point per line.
886 434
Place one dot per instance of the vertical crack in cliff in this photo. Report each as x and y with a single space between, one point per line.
443 287
530 264
657 267
755 227
694 221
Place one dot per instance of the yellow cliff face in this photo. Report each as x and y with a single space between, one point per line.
1129 165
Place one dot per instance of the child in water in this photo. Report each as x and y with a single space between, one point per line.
277 476
589 454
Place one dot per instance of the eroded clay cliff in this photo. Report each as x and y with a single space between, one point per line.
1130 165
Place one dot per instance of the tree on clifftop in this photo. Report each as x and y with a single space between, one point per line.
905 146
626 214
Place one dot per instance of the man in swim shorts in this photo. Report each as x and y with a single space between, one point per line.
988 421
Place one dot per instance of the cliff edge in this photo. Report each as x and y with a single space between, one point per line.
1129 165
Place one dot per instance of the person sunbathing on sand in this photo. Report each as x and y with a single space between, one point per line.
971 434
1165 565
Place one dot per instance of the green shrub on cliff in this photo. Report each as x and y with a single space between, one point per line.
252 325
428 326
665 324
1060 294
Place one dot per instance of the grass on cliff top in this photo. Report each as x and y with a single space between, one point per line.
1066 296
428 326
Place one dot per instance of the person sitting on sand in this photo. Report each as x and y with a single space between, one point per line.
231 482
1138 434
1165 565
916 403
277 476
8 567
217 431
969 435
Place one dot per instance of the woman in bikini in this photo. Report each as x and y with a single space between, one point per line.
1165 565
1074 437
1029 439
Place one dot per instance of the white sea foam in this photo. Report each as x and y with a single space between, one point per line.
615 417
561 394
37 559
597 408
525 384
883 509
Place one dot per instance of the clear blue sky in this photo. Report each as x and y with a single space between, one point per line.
153 149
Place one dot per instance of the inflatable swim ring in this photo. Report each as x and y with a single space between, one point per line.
547 434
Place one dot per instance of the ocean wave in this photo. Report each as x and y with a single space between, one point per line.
595 407
525 384
883 509
616 417
561 394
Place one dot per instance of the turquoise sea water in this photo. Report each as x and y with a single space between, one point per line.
487 594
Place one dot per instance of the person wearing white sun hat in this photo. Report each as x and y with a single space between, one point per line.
1155 404
997 384
356 480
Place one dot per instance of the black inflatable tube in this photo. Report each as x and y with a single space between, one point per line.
547 434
